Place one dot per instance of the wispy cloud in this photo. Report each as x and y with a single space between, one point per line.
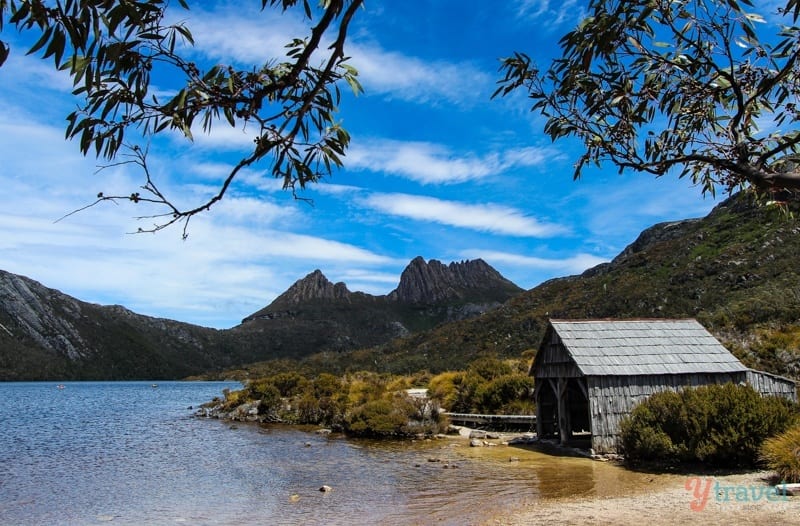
493 218
413 79
429 163
261 37
555 13
570 265
242 33
233 263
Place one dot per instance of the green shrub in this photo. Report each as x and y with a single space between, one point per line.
394 415
290 384
720 425
444 388
489 367
379 418
782 454
270 400
326 384
499 394
325 411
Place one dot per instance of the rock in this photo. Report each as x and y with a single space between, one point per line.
323 431
434 459
527 438
325 489
294 497
791 490
431 282
314 286
477 434
307 444
474 442
492 436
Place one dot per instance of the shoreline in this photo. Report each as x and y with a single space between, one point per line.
738 499
733 499
616 495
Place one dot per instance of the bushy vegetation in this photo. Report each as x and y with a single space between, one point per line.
374 404
717 425
362 403
782 454
489 385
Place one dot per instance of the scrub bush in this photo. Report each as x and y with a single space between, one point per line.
719 425
383 417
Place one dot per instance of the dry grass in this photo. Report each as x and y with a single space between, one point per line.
782 454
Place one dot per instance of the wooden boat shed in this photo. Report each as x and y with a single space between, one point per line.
590 374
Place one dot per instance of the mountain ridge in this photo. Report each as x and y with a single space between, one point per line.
47 334
733 270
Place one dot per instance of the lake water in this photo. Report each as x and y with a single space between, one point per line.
129 453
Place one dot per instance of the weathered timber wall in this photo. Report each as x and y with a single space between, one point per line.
611 398
553 360
772 385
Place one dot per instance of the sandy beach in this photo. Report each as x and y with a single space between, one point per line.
749 501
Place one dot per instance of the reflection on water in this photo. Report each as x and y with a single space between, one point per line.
126 453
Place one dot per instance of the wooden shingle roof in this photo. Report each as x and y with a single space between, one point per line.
644 347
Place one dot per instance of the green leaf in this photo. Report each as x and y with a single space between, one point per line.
184 31
4 52
41 42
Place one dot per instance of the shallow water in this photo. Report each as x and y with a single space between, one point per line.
128 453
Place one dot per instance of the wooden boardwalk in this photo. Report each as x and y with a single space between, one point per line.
493 421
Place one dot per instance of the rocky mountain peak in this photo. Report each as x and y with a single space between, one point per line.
315 286
432 282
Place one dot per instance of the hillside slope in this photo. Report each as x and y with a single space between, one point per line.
734 270
45 334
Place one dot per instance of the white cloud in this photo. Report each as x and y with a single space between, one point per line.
242 33
429 163
554 13
34 71
261 36
627 204
496 219
571 265
337 189
233 263
413 79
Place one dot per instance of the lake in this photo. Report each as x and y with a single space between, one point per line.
130 453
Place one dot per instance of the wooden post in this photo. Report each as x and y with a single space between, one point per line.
537 395
563 411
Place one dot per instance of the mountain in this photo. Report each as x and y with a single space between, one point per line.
735 271
315 315
45 334
429 283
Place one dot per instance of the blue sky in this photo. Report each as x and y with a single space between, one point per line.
435 169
